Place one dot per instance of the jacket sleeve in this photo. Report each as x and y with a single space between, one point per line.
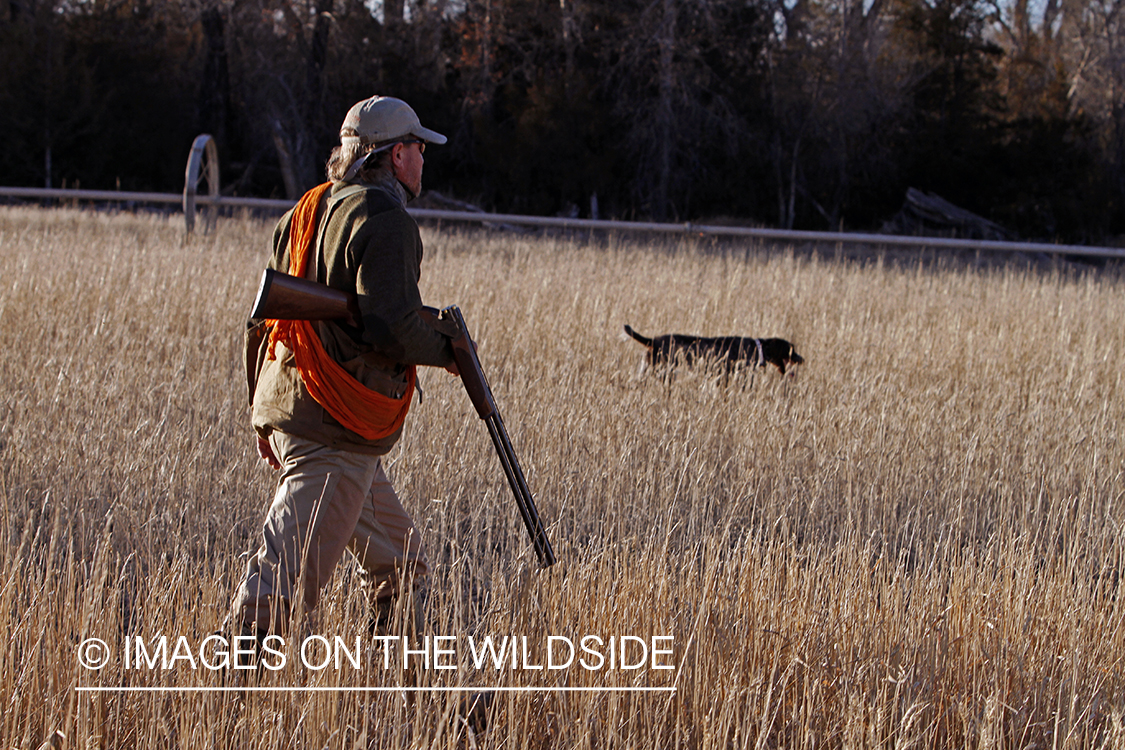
388 252
279 258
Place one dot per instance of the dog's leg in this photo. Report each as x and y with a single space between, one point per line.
667 373
726 372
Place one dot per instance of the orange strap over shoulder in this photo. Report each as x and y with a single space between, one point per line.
365 412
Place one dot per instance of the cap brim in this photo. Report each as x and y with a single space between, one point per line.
429 136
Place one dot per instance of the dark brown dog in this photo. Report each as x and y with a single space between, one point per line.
727 350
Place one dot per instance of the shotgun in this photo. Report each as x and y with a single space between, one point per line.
285 297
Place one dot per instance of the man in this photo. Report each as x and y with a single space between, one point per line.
329 398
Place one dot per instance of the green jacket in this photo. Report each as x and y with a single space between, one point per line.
368 244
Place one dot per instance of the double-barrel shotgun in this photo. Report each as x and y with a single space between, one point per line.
285 297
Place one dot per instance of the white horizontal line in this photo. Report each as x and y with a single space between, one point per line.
475 689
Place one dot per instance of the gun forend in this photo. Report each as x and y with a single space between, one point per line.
472 374
285 297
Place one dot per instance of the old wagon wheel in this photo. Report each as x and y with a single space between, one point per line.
202 167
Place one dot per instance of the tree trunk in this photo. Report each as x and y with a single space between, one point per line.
214 94
285 160
569 40
665 115
393 12
318 56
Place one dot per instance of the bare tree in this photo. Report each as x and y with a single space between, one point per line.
672 104
837 83
1094 47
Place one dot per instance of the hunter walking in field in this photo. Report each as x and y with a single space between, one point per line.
329 398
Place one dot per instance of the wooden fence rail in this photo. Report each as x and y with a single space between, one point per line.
488 219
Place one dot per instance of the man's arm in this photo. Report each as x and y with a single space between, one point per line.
388 297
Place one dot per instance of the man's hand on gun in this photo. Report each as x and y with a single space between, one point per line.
453 369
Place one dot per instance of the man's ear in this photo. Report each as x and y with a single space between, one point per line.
396 154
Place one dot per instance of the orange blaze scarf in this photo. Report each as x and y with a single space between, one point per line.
365 412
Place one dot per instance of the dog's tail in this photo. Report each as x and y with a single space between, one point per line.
646 341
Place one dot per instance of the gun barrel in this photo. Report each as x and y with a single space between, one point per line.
528 512
480 393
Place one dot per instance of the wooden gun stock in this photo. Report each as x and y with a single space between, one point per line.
284 297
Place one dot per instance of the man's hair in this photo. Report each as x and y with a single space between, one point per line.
344 156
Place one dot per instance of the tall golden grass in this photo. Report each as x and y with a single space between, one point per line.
917 542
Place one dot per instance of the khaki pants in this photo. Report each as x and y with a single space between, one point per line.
327 501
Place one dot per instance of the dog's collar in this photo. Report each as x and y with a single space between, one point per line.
761 358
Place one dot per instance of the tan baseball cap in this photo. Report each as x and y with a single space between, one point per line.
384 118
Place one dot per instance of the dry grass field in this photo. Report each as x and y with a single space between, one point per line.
916 542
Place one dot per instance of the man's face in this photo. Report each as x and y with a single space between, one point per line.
408 161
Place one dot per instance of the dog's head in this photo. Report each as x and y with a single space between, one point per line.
780 353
